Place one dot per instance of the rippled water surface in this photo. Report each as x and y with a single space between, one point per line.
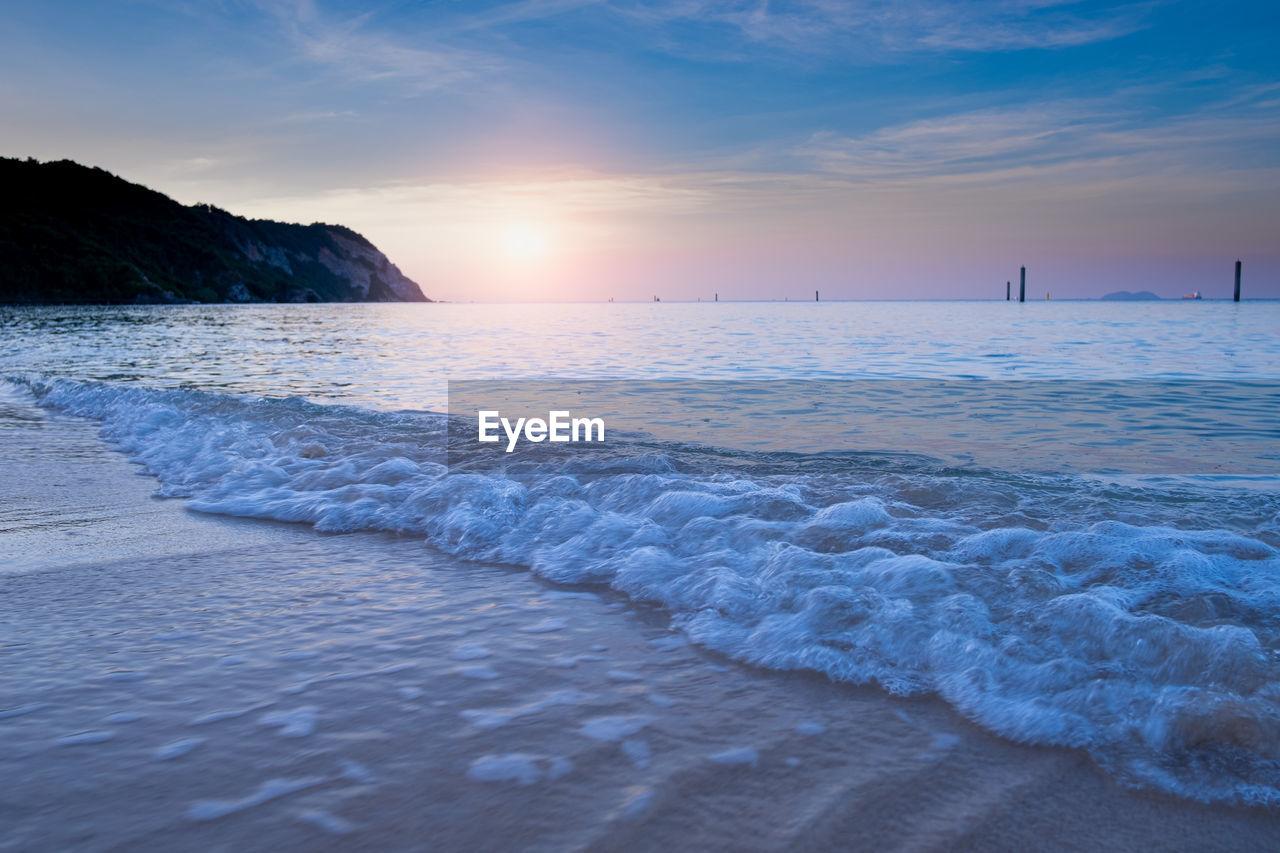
1135 622
400 356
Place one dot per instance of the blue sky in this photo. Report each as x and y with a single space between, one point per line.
554 149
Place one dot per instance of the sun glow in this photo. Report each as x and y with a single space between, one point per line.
525 242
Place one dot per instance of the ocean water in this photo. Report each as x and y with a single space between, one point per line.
389 357
1133 618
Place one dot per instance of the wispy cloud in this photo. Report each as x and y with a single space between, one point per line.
965 142
896 26
519 12
1232 134
1022 24
358 51
363 48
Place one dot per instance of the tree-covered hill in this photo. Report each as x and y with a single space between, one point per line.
75 234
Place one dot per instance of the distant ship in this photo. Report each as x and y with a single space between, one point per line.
1195 295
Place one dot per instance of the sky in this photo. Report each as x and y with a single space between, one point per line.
570 150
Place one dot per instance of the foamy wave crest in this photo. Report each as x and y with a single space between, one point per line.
1139 625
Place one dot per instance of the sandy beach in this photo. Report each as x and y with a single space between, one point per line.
639 425
177 679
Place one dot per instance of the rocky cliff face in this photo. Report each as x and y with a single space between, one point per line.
72 234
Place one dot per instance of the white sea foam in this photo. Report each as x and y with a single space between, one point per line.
740 756
178 748
616 727
270 790
355 771
622 675
299 722
492 718
1133 623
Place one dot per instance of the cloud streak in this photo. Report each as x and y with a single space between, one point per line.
427 58
887 28
1219 137
356 50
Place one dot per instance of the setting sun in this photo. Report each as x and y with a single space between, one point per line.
525 242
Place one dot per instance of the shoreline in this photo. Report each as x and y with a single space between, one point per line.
1170 300
256 684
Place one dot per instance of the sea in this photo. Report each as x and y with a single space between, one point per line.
853 575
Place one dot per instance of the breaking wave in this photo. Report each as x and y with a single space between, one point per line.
1141 624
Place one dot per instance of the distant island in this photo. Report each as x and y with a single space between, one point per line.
1129 296
74 234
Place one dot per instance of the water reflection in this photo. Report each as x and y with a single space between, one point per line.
400 355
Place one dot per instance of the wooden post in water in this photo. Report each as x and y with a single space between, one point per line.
1022 287
1237 299
1007 291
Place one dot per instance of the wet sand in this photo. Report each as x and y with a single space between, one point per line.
176 680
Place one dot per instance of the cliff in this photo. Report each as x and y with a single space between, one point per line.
74 234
